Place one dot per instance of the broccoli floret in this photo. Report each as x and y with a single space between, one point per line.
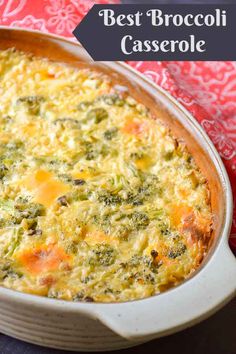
80 296
110 133
19 211
82 106
102 221
177 251
32 103
7 271
122 231
29 211
69 122
92 151
149 185
141 276
142 262
139 220
112 99
164 229
97 115
7 205
141 269
14 145
109 198
137 260
102 254
3 171
65 178
134 199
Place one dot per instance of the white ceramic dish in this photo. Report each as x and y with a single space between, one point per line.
99 327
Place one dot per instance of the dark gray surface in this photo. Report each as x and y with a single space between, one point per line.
217 335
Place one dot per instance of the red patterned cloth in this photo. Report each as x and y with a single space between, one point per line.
206 89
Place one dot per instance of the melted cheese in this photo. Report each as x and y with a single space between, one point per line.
98 201
44 187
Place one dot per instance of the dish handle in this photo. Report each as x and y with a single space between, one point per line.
196 299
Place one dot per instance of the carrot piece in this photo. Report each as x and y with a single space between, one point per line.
36 179
134 127
50 191
42 176
43 258
45 188
179 213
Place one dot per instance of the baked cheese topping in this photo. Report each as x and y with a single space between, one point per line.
98 201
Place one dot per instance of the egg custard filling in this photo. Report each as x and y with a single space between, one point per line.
98 201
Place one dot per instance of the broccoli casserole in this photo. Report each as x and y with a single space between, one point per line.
98 200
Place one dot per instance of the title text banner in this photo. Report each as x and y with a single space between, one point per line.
163 32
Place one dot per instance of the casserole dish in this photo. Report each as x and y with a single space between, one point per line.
98 326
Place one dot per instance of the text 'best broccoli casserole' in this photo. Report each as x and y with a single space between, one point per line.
98 201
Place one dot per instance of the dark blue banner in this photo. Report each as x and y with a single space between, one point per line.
159 32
